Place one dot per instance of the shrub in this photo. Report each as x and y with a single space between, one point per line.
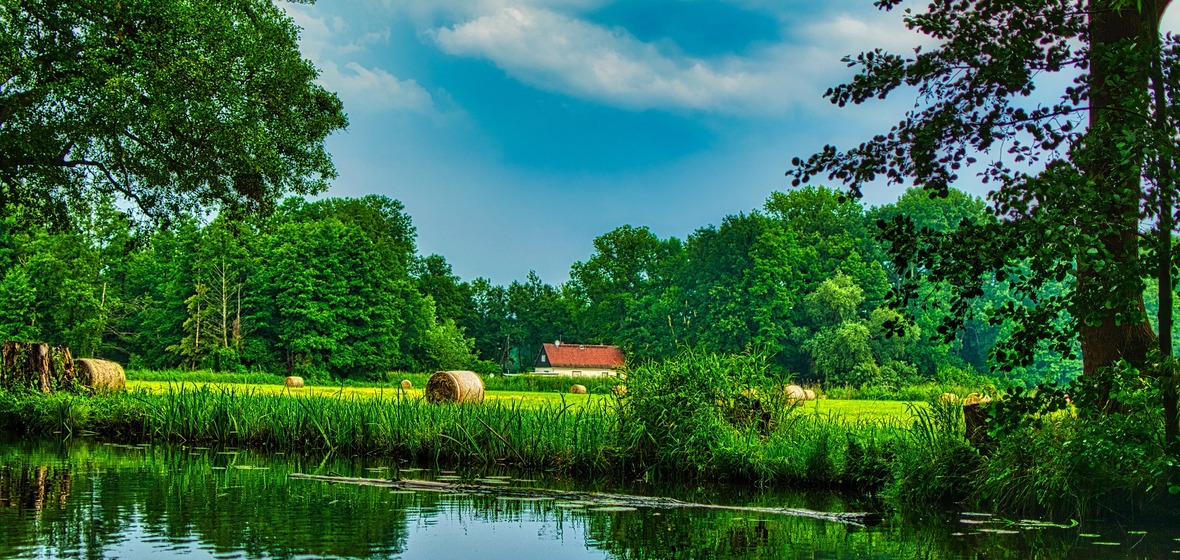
692 412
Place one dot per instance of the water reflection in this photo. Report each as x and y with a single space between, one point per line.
90 500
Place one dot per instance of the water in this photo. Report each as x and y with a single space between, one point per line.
94 500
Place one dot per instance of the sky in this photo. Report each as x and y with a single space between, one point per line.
517 131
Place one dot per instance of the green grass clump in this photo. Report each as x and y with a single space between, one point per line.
697 416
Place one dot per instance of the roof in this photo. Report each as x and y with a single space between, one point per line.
583 355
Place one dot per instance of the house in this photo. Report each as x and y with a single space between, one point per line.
586 360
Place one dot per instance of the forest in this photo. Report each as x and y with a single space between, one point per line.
335 289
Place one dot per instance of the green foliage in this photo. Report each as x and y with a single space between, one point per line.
17 305
1056 451
682 413
448 348
171 105
842 354
835 301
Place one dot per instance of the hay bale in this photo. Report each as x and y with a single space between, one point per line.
948 398
293 381
619 390
577 389
100 375
976 398
406 384
808 395
794 393
454 386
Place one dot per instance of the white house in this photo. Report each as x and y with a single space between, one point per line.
582 360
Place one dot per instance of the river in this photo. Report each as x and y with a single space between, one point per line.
87 499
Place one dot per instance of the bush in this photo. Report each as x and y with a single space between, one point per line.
1050 457
697 411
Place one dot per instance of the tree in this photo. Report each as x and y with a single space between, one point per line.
740 282
1076 174
619 286
17 300
451 295
170 105
537 313
448 348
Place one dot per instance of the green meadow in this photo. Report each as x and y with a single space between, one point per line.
836 410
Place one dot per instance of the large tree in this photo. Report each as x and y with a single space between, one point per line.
168 104
1076 171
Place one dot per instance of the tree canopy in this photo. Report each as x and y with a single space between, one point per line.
1076 171
166 104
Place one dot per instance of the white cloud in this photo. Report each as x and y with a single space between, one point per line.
374 89
332 47
558 52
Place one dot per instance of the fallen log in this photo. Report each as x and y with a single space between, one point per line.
849 518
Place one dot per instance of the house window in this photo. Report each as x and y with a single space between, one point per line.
544 359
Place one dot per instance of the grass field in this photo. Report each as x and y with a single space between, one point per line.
846 411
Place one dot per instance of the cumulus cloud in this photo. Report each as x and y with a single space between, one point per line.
374 89
553 51
559 52
331 45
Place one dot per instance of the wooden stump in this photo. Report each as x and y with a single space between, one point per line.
975 420
36 365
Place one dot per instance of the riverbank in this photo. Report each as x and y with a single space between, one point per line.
675 424
806 449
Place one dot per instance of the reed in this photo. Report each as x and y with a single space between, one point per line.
594 436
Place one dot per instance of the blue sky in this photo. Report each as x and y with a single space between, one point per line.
517 131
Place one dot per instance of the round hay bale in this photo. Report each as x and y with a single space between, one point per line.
577 389
406 384
976 398
293 381
454 386
619 390
100 375
808 395
794 392
948 398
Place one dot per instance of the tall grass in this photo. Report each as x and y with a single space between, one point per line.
699 416
557 435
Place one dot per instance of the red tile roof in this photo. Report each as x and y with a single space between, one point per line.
583 355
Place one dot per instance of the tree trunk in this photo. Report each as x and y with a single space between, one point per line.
1116 195
1166 187
36 365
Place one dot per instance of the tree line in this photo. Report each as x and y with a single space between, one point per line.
336 288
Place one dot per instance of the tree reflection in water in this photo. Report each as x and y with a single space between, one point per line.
90 500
